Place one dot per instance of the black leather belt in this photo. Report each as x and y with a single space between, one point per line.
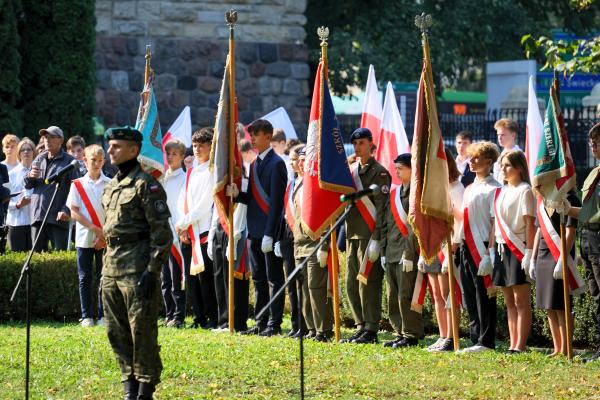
591 227
126 238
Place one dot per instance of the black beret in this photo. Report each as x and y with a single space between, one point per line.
361 133
124 133
403 159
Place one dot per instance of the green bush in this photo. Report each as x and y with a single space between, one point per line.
10 63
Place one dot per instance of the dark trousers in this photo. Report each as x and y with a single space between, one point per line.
206 279
88 260
287 251
590 253
192 285
268 278
57 235
19 238
481 307
173 294
241 287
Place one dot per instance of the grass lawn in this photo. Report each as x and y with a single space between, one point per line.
69 362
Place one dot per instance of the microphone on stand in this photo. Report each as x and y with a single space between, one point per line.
59 174
373 189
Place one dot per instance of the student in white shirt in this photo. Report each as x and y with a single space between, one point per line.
173 182
18 218
9 148
506 132
84 201
278 143
462 142
515 232
477 249
195 211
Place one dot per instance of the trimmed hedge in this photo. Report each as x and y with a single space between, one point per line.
55 296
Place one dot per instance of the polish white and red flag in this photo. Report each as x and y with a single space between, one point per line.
533 129
371 112
392 136
180 130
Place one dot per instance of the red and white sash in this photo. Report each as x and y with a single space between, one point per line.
418 297
197 265
442 254
552 239
516 245
177 254
258 192
476 247
368 212
288 205
398 211
92 205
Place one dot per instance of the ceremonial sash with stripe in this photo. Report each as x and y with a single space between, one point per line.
177 254
241 270
552 239
398 211
261 197
476 248
516 245
288 205
368 212
419 292
88 203
197 265
457 284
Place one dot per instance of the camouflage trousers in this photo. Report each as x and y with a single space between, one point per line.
131 324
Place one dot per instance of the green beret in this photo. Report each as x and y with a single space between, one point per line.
124 133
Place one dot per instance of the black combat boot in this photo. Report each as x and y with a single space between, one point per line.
131 386
145 392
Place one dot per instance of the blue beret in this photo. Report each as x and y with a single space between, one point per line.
124 133
361 133
403 159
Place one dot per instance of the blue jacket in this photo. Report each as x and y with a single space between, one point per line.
272 175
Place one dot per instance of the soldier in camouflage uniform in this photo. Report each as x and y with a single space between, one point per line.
138 241
365 299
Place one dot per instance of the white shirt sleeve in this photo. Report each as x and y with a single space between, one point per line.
73 199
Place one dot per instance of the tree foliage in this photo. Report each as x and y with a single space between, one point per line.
10 63
465 36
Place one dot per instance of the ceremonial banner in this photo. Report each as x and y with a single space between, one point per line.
392 136
151 154
554 173
227 117
326 171
371 112
180 130
430 211
533 129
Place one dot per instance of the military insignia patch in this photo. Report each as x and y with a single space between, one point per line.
160 206
154 188
385 189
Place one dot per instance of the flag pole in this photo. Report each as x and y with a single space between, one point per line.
147 70
563 255
231 18
451 283
323 33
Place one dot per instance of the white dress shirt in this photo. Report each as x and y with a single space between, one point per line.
479 199
18 216
199 199
498 174
174 184
84 237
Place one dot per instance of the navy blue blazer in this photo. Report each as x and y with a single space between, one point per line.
468 176
272 175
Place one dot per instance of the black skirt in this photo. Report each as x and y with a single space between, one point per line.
549 293
507 269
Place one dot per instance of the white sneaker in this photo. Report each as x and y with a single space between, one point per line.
435 345
100 322
474 349
87 322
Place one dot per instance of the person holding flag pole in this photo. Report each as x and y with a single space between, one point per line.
554 177
430 210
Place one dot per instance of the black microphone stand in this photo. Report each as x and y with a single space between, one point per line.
26 272
292 277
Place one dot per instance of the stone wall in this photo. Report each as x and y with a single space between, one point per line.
189 47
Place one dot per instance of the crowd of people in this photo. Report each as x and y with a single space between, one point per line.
504 237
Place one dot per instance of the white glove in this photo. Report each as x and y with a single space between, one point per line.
526 259
531 269
421 264
558 269
236 239
322 257
277 250
561 206
445 265
209 243
485 266
373 250
383 261
232 190
407 265
267 244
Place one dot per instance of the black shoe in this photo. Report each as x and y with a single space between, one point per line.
594 357
292 333
323 336
145 391
130 387
355 336
392 342
270 331
368 337
405 342
210 325
308 335
252 331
